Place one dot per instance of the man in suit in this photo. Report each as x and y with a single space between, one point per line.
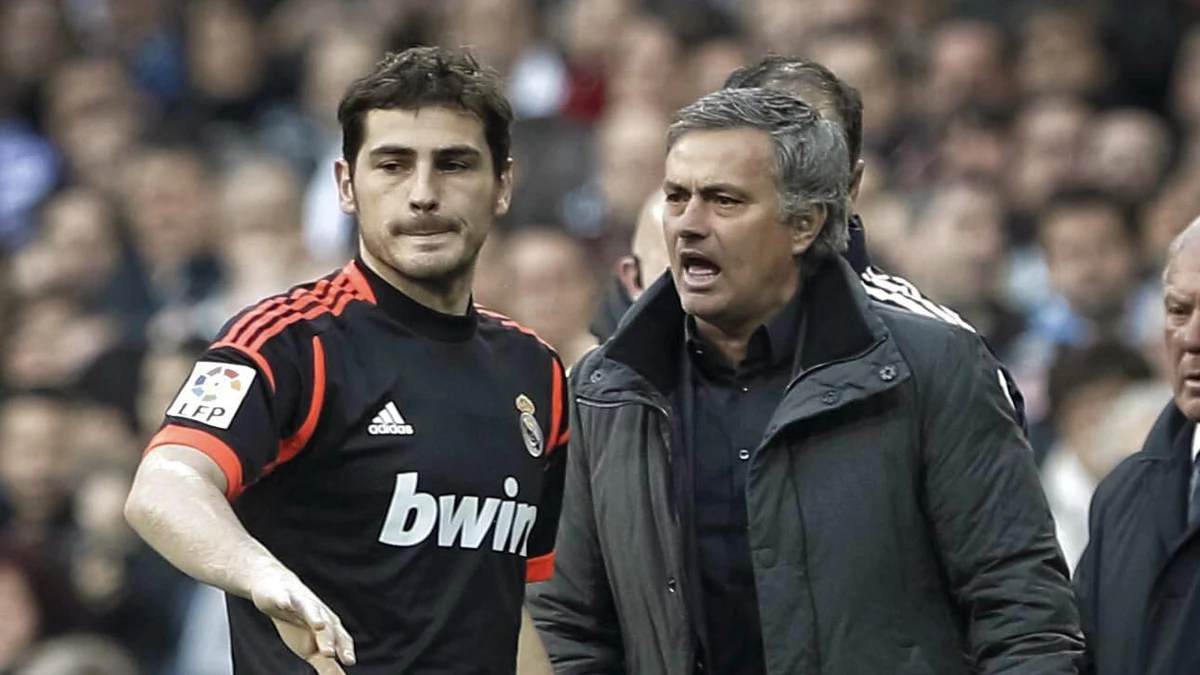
1138 583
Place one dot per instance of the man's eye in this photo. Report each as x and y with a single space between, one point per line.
676 197
725 200
454 165
390 167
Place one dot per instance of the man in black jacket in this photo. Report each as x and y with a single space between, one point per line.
840 103
769 472
1138 582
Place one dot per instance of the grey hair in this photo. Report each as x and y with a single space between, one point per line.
812 165
1177 243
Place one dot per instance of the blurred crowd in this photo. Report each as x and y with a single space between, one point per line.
164 163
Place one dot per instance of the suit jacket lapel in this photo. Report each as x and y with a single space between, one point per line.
1167 487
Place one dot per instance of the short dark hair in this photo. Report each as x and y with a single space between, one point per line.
923 203
429 76
793 72
1084 198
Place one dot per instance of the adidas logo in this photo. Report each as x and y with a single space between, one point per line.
389 422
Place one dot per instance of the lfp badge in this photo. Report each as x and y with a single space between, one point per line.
213 394
207 387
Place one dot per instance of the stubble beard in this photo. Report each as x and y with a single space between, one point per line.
448 279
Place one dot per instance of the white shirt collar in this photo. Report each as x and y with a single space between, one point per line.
1195 443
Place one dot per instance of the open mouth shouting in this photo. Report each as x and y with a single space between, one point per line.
698 270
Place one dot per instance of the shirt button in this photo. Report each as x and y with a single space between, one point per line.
887 373
743 454
672 585
830 397
596 376
745 389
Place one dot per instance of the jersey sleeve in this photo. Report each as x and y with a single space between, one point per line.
249 406
540 565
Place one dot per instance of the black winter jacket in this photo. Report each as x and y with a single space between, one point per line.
896 521
1139 579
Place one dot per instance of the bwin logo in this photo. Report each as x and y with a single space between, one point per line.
413 515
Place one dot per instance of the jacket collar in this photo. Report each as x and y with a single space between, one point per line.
771 343
1166 454
841 324
613 305
1162 443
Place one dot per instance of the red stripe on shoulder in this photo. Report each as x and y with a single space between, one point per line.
556 403
252 322
309 306
257 357
272 318
291 446
359 281
257 312
299 298
333 302
509 323
556 376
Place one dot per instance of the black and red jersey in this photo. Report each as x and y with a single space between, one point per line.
407 465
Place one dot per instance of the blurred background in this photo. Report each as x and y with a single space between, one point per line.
164 163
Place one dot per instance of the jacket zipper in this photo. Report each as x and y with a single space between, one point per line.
593 403
820 366
828 364
681 573
667 417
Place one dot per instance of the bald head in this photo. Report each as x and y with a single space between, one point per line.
649 257
649 244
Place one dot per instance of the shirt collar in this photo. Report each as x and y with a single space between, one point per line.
1195 442
783 331
415 316
773 342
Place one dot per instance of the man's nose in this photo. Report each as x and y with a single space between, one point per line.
1190 333
691 223
423 197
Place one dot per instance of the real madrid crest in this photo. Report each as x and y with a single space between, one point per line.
531 433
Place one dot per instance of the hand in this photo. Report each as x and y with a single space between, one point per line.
307 626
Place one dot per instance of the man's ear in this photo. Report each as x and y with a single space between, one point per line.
629 274
345 185
504 198
856 176
807 226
